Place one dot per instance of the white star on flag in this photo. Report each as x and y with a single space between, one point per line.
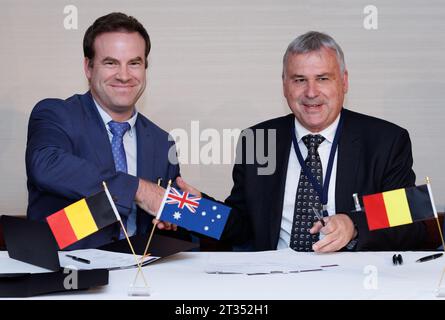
177 215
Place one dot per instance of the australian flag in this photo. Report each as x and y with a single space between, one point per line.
194 213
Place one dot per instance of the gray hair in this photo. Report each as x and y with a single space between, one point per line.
314 41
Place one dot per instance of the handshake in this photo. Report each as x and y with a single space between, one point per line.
149 198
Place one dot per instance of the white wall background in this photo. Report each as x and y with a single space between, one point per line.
219 62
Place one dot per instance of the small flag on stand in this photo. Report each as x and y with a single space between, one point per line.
194 213
82 218
399 207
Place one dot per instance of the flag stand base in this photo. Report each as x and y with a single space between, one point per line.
134 290
139 287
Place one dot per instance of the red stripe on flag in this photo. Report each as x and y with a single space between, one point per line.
61 228
376 211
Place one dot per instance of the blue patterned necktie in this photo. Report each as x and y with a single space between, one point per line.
307 198
118 130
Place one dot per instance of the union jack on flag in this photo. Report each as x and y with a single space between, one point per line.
190 201
194 213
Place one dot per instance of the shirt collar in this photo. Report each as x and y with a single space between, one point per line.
106 117
328 133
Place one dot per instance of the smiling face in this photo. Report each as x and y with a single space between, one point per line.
314 87
117 74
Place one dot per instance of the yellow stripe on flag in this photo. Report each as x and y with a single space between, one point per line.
397 207
81 219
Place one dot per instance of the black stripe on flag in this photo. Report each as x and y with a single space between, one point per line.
419 203
101 209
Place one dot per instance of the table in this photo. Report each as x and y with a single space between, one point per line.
359 275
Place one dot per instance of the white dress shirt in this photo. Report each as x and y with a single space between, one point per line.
293 176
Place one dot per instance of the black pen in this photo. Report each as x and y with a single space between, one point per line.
78 259
431 257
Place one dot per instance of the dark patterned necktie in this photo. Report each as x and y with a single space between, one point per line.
307 198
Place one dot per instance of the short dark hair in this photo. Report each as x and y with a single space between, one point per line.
113 22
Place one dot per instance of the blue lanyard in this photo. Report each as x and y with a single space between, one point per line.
321 190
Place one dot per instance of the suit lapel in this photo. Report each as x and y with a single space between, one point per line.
349 151
97 133
146 151
277 182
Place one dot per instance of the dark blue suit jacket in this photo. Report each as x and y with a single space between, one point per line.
68 155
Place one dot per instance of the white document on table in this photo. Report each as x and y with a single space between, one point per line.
264 262
101 259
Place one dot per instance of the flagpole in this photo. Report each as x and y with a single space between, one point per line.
152 230
154 226
438 227
125 232
435 212
440 282
440 231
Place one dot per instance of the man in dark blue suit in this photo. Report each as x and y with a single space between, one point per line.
75 144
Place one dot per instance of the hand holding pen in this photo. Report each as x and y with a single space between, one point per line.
338 231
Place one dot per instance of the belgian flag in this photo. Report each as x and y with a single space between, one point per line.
82 218
398 207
